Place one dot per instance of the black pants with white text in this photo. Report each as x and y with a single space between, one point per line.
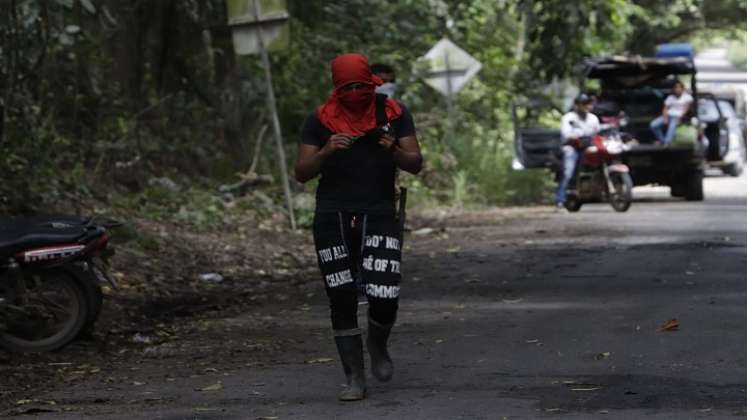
359 251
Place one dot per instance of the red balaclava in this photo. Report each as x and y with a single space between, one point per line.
354 112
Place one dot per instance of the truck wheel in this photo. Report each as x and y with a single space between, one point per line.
677 189
573 204
694 186
734 169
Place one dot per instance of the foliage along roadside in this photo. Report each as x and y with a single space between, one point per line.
100 97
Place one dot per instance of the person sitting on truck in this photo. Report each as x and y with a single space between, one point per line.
577 127
675 108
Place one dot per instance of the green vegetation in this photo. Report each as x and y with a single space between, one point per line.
100 98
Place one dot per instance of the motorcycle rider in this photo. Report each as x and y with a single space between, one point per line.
345 142
577 127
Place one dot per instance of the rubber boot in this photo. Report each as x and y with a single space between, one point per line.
382 367
351 354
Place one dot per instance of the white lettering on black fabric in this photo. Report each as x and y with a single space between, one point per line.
332 254
382 292
339 278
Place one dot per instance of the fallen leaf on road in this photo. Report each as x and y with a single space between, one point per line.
23 402
604 355
671 325
136 383
532 341
214 387
320 360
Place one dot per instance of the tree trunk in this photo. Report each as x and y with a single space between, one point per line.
228 82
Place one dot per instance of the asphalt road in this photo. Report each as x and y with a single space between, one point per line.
533 314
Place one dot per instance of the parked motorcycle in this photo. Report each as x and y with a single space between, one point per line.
50 273
601 175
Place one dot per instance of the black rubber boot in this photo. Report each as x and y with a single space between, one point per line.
351 354
382 367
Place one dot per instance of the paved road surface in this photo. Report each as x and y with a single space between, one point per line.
540 316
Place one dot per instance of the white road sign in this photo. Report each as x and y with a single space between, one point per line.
272 22
450 67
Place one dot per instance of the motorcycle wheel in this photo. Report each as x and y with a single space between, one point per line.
622 197
94 297
47 315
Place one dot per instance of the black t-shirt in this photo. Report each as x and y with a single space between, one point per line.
360 179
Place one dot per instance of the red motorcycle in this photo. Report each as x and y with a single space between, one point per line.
601 175
50 270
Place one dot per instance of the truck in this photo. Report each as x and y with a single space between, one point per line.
637 86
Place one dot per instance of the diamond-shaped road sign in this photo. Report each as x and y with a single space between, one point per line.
272 22
450 67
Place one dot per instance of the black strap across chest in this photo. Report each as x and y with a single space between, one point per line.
381 117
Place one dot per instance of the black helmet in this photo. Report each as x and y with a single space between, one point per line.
582 99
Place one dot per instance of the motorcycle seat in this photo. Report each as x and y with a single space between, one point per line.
19 235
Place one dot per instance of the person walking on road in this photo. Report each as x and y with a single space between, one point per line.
577 127
356 140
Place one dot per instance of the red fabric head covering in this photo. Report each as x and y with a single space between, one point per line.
354 112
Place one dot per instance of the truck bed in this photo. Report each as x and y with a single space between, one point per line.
656 164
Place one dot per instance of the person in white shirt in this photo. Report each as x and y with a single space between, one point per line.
675 107
576 128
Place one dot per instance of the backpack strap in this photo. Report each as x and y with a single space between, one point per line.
381 117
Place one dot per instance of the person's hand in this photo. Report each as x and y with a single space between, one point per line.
387 141
666 119
337 142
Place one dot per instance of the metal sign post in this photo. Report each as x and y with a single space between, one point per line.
251 32
449 100
275 120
